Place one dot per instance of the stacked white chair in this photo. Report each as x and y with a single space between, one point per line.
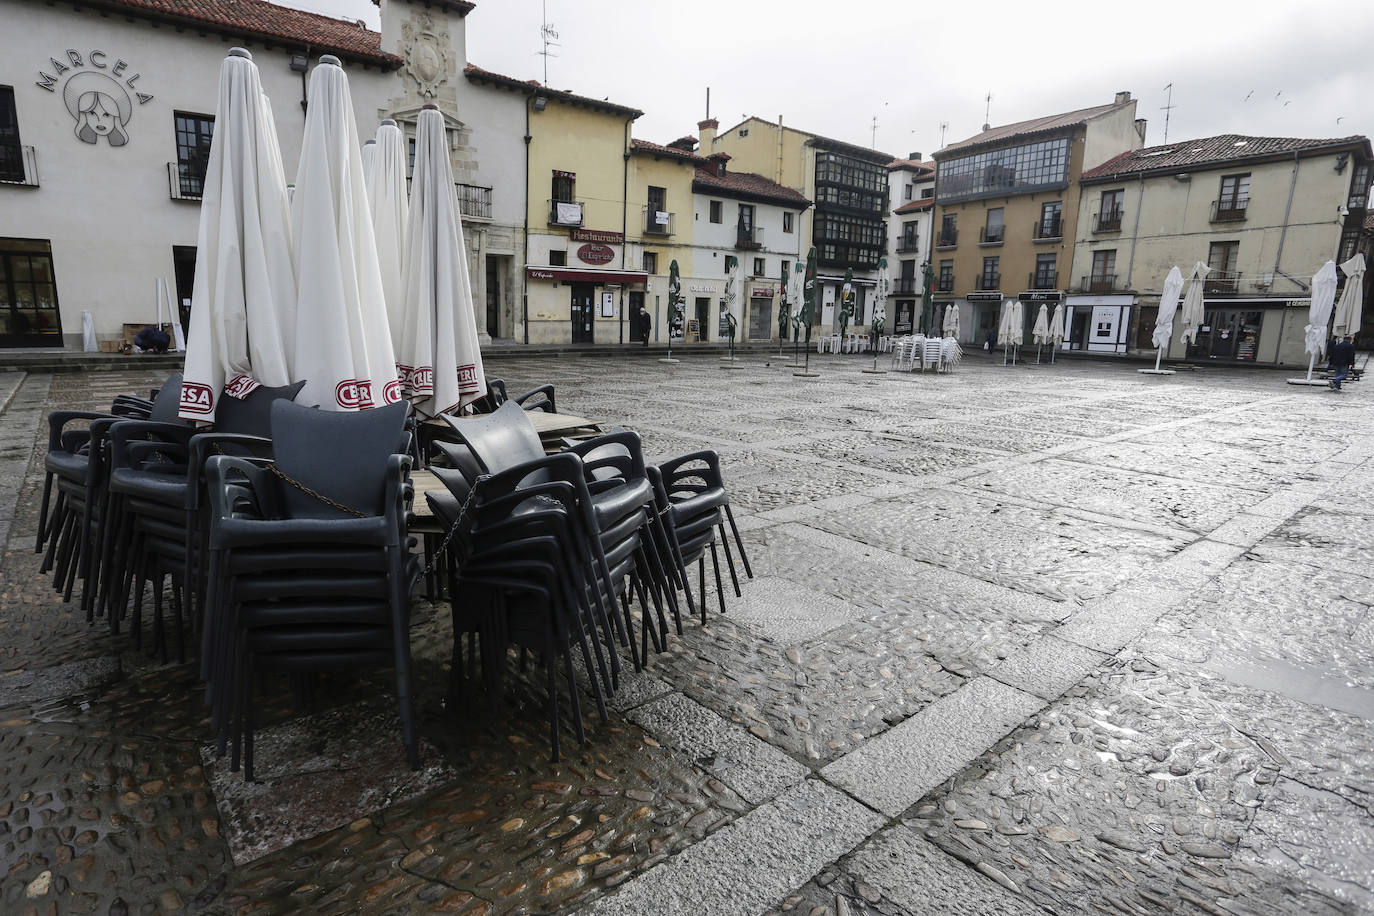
931 354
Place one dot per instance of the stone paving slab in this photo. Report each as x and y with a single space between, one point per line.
895 770
26 687
788 613
744 868
1047 667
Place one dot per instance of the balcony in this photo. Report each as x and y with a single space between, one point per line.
905 286
1222 283
1098 283
907 245
749 237
565 213
1043 280
990 281
945 284
1107 221
658 222
474 201
182 184
990 235
1049 232
18 166
1229 211
948 238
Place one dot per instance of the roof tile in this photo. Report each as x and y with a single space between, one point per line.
747 184
1033 126
1216 150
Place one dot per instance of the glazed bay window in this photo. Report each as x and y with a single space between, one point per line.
1044 164
1233 199
194 134
1109 210
992 274
1102 279
992 229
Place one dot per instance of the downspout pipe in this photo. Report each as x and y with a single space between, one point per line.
525 277
624 222
1135 231
1278 256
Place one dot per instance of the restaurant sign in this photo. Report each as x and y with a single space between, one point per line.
1041 295
984 297
761 292
595 254
596 235
96 93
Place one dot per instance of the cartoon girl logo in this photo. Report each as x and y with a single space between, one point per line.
99 106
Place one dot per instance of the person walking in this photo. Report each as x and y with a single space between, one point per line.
1342 359
646 323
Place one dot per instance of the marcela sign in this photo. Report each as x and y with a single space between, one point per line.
595 254
96 92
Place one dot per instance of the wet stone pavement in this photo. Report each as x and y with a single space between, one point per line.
1043 639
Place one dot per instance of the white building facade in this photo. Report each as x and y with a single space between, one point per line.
911 194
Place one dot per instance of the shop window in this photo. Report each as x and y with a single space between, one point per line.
558 259
28 294
11 149
194 134
716 211
651 262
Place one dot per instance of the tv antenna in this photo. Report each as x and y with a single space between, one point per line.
944 126
987 112
1168 107
548 35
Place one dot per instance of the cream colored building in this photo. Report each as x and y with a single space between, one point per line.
911 190
1265 213
1007 209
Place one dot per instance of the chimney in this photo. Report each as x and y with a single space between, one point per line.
687 144
1122 98
706 133
1140 129
915 157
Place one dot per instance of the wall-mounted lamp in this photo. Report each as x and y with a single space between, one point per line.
540 103
300 63
1341 161
1184 176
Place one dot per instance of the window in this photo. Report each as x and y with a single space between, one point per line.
28 294
657 219
946 282
786 271
1103 277
949 231
1359 182
909 239
558 258
651 262
410 158
906 192
1234 197
927 193
1051 222
787 221
992 276
1222 257
715 211
992 231
758 267
746 220
194 133
846 171
906 282
1350 243
1045 274
1019 168
1109 210
564 186
11 149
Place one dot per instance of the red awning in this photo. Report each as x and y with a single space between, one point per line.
590 275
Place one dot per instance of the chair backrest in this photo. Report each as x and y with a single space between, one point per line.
342 456
252 415
168 401
500 439
460 459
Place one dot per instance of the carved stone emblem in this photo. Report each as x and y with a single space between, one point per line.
428 53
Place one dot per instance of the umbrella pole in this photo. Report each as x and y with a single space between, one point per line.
1159 354
1311 364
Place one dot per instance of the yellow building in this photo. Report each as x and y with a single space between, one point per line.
1007 206
1265 213
658 214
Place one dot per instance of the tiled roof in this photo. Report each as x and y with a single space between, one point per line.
1033 126
265 22
1208 151
668 151
533 87
913 206
816 140
914 165
747 185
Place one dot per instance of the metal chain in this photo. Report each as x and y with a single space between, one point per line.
287 478
452 532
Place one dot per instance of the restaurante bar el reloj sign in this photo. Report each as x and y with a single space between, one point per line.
96 93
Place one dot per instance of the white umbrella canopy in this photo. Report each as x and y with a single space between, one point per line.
243 301
1193 312
1319 312
951 323
343 341
1012 329
390 214
1057 325
370 167
1168 306
1040 333
441 361
1347 316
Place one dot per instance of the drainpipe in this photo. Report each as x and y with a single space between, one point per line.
1292 186
1135 231
525 278
624 222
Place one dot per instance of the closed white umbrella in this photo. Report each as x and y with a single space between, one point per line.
1040 333
1193 313
390 215
1012 329
243 302
1057 325
1347 315
1164 322
442 367
343 341
1319 312
369 167
951 324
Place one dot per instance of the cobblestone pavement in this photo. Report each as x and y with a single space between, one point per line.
1021 640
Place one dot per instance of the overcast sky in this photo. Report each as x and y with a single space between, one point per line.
1237 66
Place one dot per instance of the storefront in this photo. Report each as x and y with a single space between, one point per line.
581 304
979 315
1098 324
761 318
904 316
1263 331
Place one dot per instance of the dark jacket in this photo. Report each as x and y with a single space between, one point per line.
1342 354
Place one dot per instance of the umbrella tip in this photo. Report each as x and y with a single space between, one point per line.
369 142
241 52
330 59
388 122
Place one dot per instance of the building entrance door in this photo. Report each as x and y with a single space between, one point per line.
583 312
703 306
1227 334
1078 328
493 296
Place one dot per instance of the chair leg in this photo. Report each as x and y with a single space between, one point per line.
729 561
400 627
178 596
43 513
744 557
159 629
715 567
701 585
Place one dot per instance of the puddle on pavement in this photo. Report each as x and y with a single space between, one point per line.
1308 684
